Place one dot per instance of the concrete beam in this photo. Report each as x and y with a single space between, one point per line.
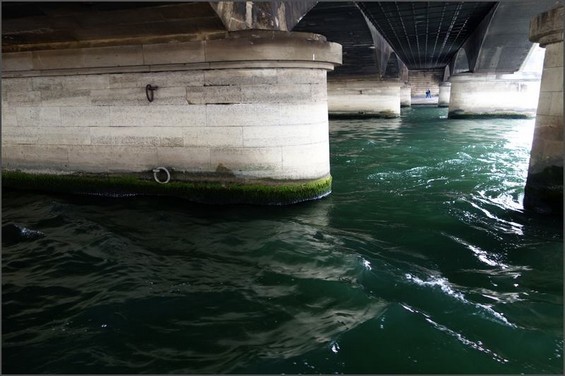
271 15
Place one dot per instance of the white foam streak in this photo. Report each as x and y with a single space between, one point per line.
467 342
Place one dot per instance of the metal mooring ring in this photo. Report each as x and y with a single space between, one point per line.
156 171
149 92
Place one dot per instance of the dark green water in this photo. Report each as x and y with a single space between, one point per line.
421 261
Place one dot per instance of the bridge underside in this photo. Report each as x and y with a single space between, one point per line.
426 35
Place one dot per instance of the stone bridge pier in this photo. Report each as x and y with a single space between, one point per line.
544 187
242 118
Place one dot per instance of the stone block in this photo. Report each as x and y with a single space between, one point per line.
113 56
48 157
544 103
47 83
19 136
64 98
242 115
85 116
223 95
23 98
194 159
297 114
229 77
276 136
38 116
171 141
9 116
552 79
12 85
160 79
319 92
102 158
553 56
177 53
17 61
158 116
146 136
57 59
301 76
258 94
320 133
317 156
556 106
271 47
248 162
195 95
138 97
213 136
63 136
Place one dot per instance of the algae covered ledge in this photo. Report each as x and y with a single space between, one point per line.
211 191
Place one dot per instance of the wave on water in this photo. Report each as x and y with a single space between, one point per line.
15 233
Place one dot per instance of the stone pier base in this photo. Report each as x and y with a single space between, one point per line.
405 96
493 95
363 97
544 187
240 115
444 94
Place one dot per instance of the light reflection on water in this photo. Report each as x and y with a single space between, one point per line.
421 261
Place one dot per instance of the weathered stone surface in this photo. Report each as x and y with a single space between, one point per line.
480 94
251 119
444 94
369 97
547 27
241 48
405 95
544 186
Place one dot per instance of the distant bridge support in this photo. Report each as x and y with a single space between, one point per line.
363 97
544 187
405 95
444 94
493 95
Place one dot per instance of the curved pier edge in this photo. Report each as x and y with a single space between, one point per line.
258 192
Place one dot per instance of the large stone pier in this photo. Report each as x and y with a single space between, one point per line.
239 119
493 95
544 187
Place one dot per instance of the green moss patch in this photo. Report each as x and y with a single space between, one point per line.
363 115
262 192
457 114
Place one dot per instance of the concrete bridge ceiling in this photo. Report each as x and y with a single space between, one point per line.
45 25
426 35
344 23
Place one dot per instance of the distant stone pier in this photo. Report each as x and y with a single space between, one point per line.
363 97
493 95
239 119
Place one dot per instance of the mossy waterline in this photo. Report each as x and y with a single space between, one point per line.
228 191
489 115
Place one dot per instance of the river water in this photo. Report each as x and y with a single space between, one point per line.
421 261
